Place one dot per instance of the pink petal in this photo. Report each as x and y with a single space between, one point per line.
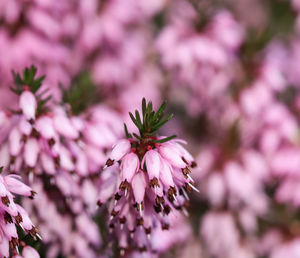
4 248
16 186
31 152
139 186
3 190
64 126
120 149
29 252
45 127
66 159
152 159
26 221
129 166
48 163
166 174
25 127
9 229
170 153
15 142
28 104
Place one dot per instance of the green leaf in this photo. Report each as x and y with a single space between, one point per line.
42 93
151 117
44 101
36 84
159 112
128 135
146 122
27 79
144 107
135 121
165 139
161 123
138 118
138 137
17 78
81 94
16 91
149 107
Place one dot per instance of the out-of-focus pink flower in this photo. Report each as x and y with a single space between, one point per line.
221 236
55 148
29 252
28 104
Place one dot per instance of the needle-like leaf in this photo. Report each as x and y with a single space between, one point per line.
135 121
128 135
161 123
165 139
159 112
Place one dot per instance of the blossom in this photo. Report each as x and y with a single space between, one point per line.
154 180
13 215
60 155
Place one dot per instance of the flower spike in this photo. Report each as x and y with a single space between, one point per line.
153 172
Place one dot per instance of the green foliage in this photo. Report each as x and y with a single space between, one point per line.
81 94
149 122
28 80
280 25
288 95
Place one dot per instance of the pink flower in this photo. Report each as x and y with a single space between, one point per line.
29 252
28 104
119 150
129 166
152 160
170 153
12 215
55 151
150 191
139 185
16 186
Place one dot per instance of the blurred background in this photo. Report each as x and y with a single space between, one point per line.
230 73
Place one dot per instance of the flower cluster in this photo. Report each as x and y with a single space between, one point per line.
60 154
228 69
12 215
154 176
203 61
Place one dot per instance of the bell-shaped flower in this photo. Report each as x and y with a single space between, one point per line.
31 152
152 160
29 252
129 166
169 152
119 150
14 185
139 186
28 104
12 214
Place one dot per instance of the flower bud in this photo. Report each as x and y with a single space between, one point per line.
28 104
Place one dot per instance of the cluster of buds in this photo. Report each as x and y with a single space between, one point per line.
154 179
13 215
